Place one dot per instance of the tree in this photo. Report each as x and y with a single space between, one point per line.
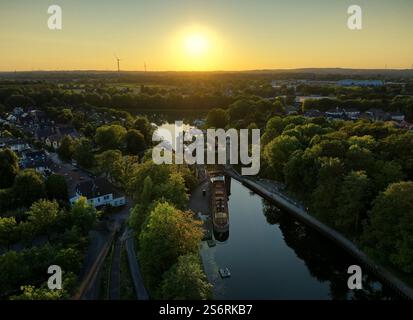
169 234
32 293
83 153
56 187
389 235
135 142
8 234
28 187
217 118
143 125
83 215
110 136
172 189
278 151
353 202
110 162
324 198
66 148
43 215
387 172
359 158
9 168
301 172
65 116
186 280
278 107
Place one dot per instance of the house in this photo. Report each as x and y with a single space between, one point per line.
14 144
378 114
351 113
39 116
17 111
43 133
53 140
98 192
11 118
397 116
18 145
337 113
36 159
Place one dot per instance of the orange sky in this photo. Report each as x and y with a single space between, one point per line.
204 35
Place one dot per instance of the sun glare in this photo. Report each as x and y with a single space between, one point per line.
196 44
196 48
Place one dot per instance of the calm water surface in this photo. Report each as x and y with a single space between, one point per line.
272 256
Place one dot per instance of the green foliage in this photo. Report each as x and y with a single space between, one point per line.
110 136
168 234
217 118
389 234
29 266
186 280
160 182
66 148
8 234
324 197
143 125
110 163
28 187
30 292
338 167
9 168
300 172
56 187
135 142
278 151
43 215
83 153
353 202
83 215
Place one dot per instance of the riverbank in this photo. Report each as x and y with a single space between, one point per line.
299 212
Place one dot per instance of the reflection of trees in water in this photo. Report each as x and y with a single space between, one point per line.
221 236
271 212
324 259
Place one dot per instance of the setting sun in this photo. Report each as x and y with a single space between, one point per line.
196 44
196 47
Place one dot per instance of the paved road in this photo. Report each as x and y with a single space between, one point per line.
114 291
141 292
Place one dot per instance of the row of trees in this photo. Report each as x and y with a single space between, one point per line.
341 170
168 236
107 137
245 113
402 104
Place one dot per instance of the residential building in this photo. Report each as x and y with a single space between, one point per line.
98 192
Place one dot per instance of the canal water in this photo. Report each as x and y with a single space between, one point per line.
272 256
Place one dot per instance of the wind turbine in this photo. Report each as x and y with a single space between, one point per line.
118 60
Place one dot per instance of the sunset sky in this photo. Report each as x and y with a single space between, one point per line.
205 35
